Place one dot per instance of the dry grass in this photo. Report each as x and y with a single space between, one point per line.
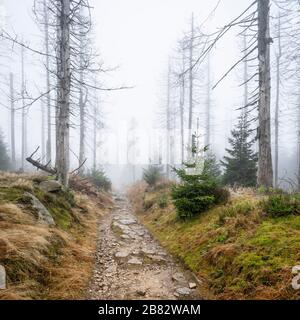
43 262
236 250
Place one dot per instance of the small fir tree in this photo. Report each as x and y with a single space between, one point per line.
199 189
241 162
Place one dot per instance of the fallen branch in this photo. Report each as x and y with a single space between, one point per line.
39 165
83 163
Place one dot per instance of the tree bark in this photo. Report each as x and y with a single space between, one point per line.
95 138
24 130
265 169
12 121
278 60
64 95
81 106
208 105
191 83
48 98
168 113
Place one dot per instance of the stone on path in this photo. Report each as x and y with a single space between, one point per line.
135 261
2 278
156 258
111 269
183 291
179 277
122 254
141 292
192 285
127 221
147 251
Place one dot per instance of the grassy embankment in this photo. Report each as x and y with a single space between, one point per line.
235 249
45 262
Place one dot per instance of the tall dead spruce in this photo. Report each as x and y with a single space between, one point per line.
254 21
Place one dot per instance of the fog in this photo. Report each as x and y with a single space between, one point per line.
136 39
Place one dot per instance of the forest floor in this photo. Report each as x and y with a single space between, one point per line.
43 261
236 250
131 264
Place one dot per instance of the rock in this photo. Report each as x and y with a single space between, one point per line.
147 251
50 186
2 278
44 216
135 261
156 258
122 254
125 236
179 277
111 269
141 292
183 291
127 221
192 285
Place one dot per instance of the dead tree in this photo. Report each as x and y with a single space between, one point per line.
24 116
208 106
12 121
48 97
191 81
265 171
168 122
277 103
64 75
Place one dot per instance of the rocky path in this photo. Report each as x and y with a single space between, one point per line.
130 264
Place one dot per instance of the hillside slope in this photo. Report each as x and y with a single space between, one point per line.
235 249
44 261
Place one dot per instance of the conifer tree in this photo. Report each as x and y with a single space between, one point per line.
241 162
4 158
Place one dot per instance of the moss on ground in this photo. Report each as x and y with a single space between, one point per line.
237 250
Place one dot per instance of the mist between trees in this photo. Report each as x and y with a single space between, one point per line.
75 87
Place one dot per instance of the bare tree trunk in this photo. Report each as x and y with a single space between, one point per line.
12 121
168 124
43 129
208 105
191 82
182 94
298 145
64 95
95 116
81 108
246 91
48 98
265 170
24 133
58 72
278 60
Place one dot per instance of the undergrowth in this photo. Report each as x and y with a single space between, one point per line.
244 249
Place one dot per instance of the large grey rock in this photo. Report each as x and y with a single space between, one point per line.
44 216
50 186
2 278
